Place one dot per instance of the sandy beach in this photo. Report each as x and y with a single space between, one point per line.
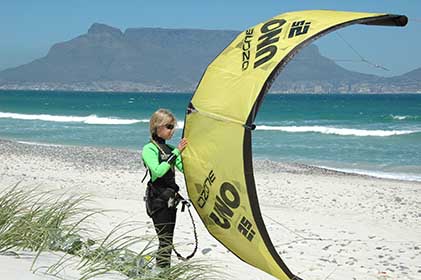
324 224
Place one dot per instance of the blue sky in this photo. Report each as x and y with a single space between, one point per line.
28 28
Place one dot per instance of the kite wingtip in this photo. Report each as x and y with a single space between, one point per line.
389 20
401 20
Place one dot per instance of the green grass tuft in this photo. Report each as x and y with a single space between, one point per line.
41 221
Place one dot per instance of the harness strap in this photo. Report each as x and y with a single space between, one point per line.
159 147
179 256
146 173
170 158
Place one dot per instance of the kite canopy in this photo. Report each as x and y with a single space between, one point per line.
218 160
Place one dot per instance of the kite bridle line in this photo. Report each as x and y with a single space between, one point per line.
362 59
322 239
417 20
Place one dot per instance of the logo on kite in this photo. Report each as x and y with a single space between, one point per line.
246 48
266 48
245 227
204 189
299 28
227 200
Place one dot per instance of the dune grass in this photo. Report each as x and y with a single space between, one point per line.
32 220
42 221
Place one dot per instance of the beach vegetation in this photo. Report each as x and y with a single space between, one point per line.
42 221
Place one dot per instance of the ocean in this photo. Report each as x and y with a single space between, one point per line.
376 134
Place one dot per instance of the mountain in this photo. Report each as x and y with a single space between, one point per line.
152 58
157 59
414 75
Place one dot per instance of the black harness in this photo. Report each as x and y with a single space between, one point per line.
163 191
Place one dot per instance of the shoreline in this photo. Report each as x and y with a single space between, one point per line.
257 163
61 91
322 222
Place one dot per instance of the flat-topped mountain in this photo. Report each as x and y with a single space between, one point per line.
157 59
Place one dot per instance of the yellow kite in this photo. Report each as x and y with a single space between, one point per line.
218 164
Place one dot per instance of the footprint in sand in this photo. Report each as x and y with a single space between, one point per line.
206 250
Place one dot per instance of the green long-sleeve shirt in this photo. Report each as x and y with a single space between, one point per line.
150 156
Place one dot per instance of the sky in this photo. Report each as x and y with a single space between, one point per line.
28 28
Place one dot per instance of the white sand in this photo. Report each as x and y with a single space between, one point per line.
324 224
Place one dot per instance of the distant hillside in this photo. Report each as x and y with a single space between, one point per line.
156 59
412 75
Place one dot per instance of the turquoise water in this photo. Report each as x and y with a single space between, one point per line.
370 134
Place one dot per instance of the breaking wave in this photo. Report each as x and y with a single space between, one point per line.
401 118
91 119
378 174
336 131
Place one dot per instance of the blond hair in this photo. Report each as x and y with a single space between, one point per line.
159 118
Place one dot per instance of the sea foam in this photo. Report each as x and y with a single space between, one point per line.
91 119
336 131
378 174
401 118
